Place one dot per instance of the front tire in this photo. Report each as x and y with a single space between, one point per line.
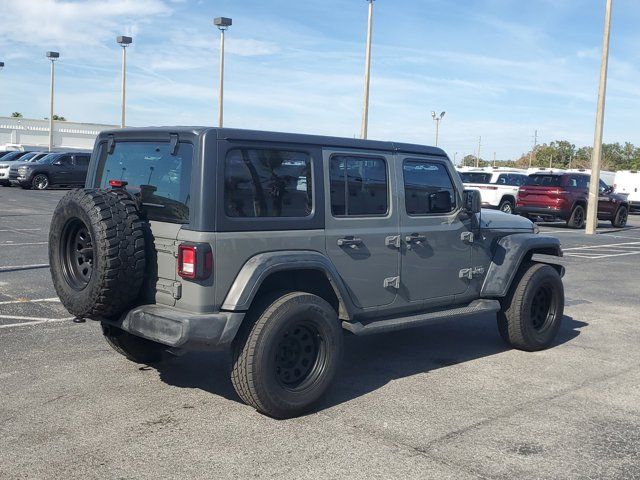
577 218
40 181
532 312
136 349
620 220
285 361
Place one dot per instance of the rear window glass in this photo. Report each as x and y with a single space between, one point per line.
543 180
267 183
475 177
162 180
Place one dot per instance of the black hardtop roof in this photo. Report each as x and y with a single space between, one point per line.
265 136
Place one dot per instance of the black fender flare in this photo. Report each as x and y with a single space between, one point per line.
510 252
257 268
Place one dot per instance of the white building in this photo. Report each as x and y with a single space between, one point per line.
19 133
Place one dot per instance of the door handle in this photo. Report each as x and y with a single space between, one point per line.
351 242
415 238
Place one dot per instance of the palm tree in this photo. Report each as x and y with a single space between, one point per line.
16 115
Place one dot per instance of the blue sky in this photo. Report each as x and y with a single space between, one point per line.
499 68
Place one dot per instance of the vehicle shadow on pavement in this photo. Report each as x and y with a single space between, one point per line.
369 362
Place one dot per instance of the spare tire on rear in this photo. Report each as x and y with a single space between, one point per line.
97 252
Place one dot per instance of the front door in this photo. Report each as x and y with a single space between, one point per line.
362 224
436 249
62 172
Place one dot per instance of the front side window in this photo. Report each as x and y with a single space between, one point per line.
428 188
358 186
267 183
161 177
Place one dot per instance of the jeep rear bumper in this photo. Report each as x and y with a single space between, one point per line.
179 329
544 212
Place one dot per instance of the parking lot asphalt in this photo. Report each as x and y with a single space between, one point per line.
442 401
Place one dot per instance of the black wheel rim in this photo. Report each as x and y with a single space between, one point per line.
76 254
622 217
579 217
543 307
40 182
300 356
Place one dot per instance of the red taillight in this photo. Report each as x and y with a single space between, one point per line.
195 261
117 183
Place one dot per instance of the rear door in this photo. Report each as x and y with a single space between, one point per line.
161 177
435 232
362 224
80 167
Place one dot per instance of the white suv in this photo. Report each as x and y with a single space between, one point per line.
498 186
627 182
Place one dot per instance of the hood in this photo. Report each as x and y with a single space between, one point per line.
497 220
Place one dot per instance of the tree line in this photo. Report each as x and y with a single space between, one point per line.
564 154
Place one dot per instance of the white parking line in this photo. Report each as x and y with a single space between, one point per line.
37 300
601 246
593 252
20 230
35 321
10 268
13 244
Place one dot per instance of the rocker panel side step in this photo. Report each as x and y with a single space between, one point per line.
391 324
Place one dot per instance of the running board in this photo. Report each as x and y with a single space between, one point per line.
388 325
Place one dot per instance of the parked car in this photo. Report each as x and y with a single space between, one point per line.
564 196
68 169
5 164
627 183
498 187
273 244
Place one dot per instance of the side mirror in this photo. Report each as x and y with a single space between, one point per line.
471 201
440 202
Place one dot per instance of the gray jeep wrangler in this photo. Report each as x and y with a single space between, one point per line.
274 244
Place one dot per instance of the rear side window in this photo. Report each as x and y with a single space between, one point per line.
163 180
428 188
82 160
267 183
543 180
358 186
475 177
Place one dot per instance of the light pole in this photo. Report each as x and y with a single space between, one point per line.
478 156
437 119
124 43
223 24
367 75
596 157
454 157
52 56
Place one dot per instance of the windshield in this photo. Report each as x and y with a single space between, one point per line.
543 180
28 156
12 156
161 179
475 177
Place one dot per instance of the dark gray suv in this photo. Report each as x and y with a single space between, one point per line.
275 245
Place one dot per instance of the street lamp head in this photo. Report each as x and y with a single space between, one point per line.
53 56
442 114
222 22
1 65
124 41
433 114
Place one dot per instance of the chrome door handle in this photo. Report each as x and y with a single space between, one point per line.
352 242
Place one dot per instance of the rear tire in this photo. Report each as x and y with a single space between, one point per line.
136 349
620 219
532 312
285 361
506 206
577 218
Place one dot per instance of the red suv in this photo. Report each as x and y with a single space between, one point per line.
563 195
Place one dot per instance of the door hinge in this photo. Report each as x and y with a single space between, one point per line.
392 241
467 237
392 282
469 273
